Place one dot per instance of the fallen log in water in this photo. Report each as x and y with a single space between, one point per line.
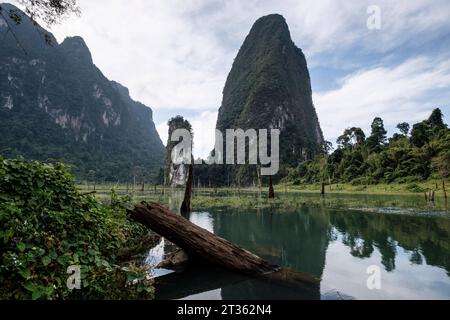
198 242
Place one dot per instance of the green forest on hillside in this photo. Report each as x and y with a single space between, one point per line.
415 154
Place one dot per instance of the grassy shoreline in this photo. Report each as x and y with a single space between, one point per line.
380 189
238 199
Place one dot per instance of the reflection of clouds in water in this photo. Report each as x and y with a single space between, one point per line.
209 295
348 274
155 256
203 220
340 247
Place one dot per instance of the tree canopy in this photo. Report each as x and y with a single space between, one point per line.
403 159
48 11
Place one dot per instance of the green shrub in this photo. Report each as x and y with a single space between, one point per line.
414 187
409 179
47 226
360 181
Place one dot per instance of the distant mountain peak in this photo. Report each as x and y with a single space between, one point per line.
269 87
77 49
56 104
270 27
274 19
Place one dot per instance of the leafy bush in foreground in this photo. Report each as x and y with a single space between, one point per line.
46 225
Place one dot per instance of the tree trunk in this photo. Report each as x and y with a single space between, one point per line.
443 188
198 242
432 196
322 192
271 190
258 174
186 205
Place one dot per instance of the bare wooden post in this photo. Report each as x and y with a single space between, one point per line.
443 188
258 174
186 205
271 190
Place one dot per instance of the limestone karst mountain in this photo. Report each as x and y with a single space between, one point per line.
55 104
269 87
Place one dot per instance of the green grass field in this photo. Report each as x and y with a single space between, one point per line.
411 188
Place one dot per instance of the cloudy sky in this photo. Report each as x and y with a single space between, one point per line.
175 55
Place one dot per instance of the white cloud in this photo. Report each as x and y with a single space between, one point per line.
176 54
204 127
163 131
407 92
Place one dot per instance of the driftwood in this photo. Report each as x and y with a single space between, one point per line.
198 242
175 260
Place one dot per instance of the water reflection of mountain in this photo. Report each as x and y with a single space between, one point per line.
427 239
293 240
299 239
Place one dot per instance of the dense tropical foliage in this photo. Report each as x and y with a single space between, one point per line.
48 226
409 156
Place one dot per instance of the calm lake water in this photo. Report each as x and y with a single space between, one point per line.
335 239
